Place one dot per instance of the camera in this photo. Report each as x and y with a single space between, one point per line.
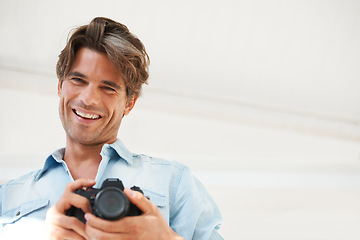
108 202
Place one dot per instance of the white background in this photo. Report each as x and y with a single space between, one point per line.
260 98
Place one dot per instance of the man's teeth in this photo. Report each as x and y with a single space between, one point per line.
87 115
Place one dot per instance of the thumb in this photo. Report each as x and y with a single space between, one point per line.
139 200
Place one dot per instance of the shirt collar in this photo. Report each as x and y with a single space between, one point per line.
116 148
53 159
119 149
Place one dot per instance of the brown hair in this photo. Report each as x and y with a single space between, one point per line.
124 50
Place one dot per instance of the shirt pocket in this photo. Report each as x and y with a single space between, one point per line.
160 201
27 208
156 198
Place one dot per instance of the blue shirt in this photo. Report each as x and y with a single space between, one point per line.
183 201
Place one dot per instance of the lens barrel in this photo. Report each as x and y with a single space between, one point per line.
111 204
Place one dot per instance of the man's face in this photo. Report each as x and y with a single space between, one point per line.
93 99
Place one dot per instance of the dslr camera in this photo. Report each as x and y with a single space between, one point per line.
108 202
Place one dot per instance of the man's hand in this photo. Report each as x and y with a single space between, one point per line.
150 225
60 226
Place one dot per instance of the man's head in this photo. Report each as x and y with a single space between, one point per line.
101 71
125 51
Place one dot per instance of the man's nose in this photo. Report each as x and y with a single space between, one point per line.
90 95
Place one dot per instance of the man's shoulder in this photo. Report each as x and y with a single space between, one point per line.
21 180
158 161
142 159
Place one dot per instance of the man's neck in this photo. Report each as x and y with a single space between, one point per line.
82 160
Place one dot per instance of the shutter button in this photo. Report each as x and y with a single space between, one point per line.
18 213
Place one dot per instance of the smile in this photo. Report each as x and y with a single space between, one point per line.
86 115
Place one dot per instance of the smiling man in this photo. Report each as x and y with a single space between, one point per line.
101 71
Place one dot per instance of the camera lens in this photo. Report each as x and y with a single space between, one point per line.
111 204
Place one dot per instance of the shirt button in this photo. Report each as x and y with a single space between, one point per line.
18 213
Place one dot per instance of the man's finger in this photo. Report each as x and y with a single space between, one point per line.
105 225
70 198
101 230
61 233
140 201
79 183
62 225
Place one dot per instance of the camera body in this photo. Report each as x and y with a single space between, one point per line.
108 202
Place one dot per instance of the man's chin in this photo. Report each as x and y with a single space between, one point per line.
84 139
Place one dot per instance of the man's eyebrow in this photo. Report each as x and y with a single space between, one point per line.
111 84
106 82
76 74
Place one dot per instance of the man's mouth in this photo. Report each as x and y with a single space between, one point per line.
86 115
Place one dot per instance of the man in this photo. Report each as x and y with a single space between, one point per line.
101 71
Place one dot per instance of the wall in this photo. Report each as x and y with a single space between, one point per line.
259 98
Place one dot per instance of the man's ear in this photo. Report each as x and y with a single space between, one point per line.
130 105
59 87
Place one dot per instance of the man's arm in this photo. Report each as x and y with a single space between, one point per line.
194 213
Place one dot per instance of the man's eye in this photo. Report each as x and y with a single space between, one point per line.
109 89
77 80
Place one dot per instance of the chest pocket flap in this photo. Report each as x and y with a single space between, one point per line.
156 198
25 209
